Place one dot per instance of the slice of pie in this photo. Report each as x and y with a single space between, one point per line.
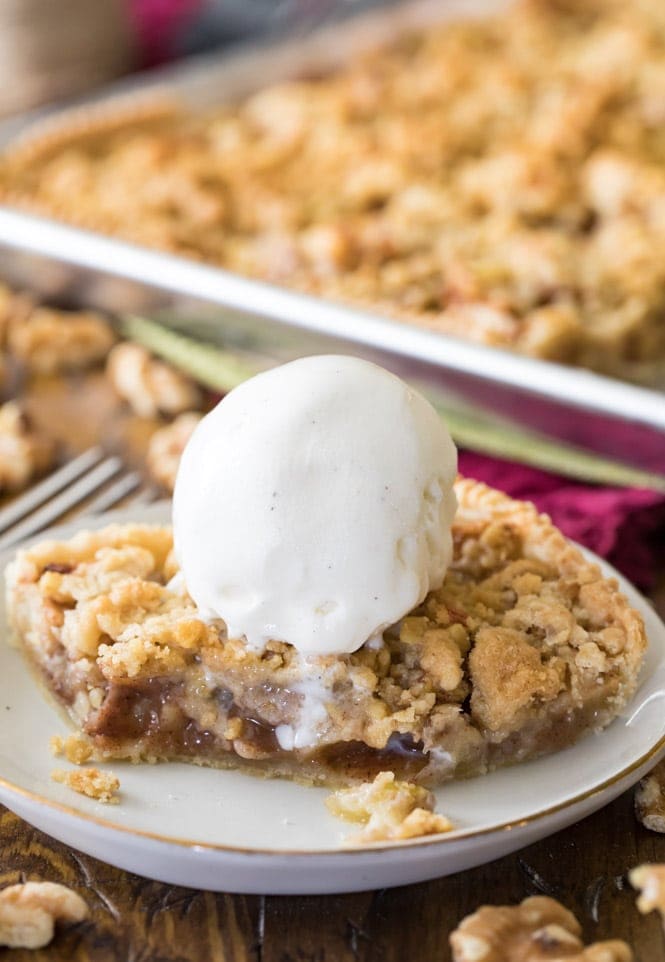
523 649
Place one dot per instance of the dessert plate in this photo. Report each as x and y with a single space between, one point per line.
229 831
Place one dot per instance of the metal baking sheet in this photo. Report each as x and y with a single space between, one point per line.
74 266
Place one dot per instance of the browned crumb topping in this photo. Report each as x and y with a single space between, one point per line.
50 341
514 197
536 930
102 786
522 628
24 451
75 748
391 811
150 386
166 446
649 880
30 910
650 799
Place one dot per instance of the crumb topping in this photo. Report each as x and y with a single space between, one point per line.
390 810
29 912
150 386
514 198
537 929
102 786
523 633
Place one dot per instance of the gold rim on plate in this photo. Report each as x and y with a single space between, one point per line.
412 843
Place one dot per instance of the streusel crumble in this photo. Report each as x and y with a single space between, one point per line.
523 649
102 786
500 179
390 811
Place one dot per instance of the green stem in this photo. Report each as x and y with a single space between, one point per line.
221 370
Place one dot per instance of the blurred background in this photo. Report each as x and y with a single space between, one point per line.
55 49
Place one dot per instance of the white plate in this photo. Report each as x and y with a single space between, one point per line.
228 831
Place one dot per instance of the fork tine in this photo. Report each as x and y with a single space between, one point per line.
144 496
114 493
55 482
63 502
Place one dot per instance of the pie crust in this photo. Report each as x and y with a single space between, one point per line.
523 649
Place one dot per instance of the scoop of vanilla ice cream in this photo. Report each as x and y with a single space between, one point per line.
314 505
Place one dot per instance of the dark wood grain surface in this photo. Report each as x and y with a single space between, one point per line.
136 920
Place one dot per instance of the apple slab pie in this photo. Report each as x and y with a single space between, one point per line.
499 179
524 648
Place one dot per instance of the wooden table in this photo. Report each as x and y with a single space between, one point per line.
136 920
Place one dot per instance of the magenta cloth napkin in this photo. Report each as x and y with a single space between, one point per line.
157 24
624 525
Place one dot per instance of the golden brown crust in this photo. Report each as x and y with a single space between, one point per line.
103 618
87 124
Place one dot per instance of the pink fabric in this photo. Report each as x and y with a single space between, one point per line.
624 525
157 23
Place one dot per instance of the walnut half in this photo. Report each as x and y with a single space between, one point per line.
166 446
650 799
29 911
148 385
536 930
650 881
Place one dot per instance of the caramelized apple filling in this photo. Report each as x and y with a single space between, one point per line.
523 649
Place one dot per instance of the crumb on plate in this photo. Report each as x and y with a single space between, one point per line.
102 786
390 810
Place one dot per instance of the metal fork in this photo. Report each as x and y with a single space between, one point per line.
93 482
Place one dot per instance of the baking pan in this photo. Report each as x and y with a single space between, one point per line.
78 267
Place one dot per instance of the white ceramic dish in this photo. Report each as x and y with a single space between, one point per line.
228 831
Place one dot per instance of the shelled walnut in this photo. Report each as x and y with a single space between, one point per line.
536 930
166 446
150 386
29 912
